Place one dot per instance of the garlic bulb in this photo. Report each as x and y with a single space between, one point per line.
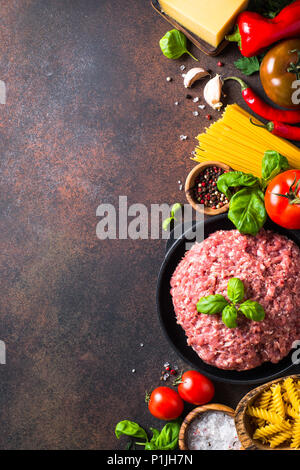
212 92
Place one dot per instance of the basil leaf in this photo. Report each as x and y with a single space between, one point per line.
235 290
273 163
129 428
174 44
247 210
252 310
166 223
211 304
168 438
155 433
175 208
248 65
235 179
229 316
150 446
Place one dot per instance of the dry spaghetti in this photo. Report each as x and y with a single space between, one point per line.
234 140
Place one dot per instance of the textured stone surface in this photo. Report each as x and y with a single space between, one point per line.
89 116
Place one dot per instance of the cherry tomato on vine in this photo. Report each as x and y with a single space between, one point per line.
165 403
195 388
282 199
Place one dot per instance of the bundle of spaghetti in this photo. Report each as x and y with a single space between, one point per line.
236 141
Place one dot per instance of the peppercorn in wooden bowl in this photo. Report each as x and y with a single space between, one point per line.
201 188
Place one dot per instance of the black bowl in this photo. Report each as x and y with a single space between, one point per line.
176 334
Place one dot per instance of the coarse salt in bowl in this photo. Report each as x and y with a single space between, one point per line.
209 427
213 430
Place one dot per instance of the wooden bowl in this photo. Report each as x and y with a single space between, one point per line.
195 414
243 422
190 183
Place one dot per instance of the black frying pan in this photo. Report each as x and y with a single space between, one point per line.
174 332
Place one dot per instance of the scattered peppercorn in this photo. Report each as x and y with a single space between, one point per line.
188 97
168 371
220 64
208 116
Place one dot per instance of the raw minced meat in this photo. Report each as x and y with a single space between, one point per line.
268 265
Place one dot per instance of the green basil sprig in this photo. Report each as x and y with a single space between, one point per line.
166 439
229 316
235 179
247 210
235 290
273 163
174 210
252 310
247 204
213 304
174 44
130 428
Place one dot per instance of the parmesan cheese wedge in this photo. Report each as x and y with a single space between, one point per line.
211 20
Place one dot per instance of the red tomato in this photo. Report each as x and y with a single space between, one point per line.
284 211
165 403
196 388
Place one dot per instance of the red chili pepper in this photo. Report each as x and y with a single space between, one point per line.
260 107
281 130
254 32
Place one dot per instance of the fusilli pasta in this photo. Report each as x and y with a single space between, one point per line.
276 414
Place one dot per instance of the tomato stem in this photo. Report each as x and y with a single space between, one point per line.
295 67
179 380
295 201
292 194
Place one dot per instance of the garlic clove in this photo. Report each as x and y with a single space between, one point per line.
193 75
213 91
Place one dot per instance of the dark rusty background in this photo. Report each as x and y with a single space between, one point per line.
89 117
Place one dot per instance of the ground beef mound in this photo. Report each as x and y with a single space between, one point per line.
268 264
